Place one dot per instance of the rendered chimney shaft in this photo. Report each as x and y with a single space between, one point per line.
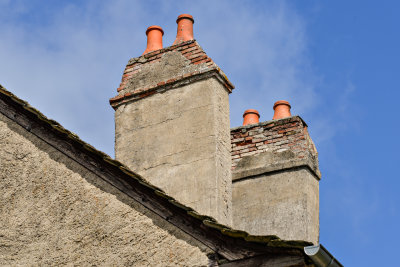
172 124
154 38
185 28
282 110
275 177
250 116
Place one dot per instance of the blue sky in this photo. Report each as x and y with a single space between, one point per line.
337 62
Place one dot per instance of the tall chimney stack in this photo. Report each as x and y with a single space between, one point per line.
172 127
172 122
275 178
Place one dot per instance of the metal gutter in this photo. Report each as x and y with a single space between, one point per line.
321 257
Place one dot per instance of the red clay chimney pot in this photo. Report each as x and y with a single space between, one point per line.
282 110
250 116
185 28
154 38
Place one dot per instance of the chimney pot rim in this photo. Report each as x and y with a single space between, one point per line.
155 27
281 102
251 111
185 16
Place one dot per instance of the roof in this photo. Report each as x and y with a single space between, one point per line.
230 243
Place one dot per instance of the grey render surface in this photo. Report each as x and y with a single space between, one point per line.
283 202
179 139
56 212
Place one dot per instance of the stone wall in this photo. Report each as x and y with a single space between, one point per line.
55 212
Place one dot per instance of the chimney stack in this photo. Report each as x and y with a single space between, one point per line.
185 28
275 177
172 122
154 38
172 127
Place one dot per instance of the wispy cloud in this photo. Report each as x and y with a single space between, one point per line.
69 63
67 58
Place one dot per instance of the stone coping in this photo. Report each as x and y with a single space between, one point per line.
267 162
271 122
167 85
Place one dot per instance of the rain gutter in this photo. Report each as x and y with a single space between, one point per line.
321 257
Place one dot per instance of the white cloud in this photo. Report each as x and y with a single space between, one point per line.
68 60
70 63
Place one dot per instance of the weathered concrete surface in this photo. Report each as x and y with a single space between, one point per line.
179 140
55 212
276 200
171 65
274 160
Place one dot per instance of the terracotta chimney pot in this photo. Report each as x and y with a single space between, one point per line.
185 28
282 110
154 38
250 116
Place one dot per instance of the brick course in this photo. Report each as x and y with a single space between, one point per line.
289 133
191 50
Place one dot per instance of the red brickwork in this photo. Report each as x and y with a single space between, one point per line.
190 50
288 133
